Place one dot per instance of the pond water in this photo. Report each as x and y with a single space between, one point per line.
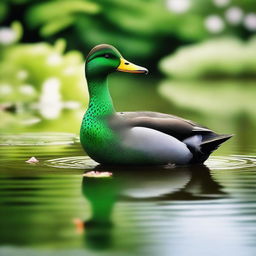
51 208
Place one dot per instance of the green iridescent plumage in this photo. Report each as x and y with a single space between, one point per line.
97 138
136 137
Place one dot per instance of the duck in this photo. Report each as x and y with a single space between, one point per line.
136 138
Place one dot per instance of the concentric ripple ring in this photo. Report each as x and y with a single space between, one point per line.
231 162
214 162
75 162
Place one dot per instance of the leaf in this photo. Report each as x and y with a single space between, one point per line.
56 25
45 12
17 27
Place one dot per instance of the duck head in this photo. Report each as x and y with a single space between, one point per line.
104 59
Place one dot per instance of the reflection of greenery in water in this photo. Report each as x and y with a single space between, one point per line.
136 92
38 202
222 98
129 92
227 106
139 211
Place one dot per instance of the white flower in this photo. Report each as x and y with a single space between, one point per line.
27 89
22 74
250 21
54 59
214 24
7 36
178 6
5 89
221 3
69 71
50 104
234 15
38 49
71 105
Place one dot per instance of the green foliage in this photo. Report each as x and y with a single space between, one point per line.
226 106
60 14
216 58
41 79
18 30
140 28
212 97
3 11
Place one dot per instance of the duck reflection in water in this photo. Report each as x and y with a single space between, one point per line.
142 184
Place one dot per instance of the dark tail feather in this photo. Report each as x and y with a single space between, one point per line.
208 146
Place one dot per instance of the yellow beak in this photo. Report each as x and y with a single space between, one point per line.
126 66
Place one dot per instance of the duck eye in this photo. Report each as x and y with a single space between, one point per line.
107 56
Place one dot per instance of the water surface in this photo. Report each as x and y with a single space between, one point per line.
50 208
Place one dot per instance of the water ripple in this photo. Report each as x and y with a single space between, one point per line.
231 162
214 162
39 139
75 162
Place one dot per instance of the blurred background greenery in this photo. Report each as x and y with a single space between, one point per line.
201 55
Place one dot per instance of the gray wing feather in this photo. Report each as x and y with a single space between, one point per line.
169 124
200 140
157 145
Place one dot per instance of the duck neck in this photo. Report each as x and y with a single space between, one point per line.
100 102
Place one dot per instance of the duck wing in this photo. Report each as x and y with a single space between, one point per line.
200 140
169 124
